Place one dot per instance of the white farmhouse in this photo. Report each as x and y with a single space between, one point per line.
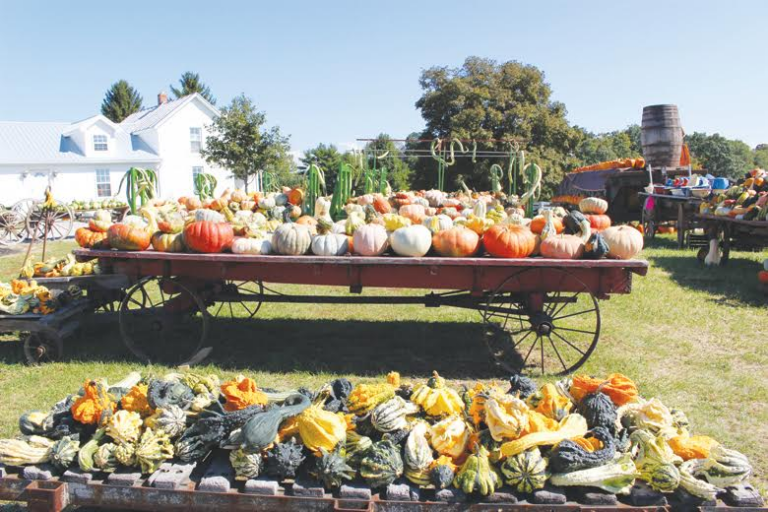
87 159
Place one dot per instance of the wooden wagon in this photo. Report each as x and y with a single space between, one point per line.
682 211
745 235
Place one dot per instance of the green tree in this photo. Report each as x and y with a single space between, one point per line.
190 83
486 100
120 101
761 156
720 156
239 141
608 146
328 158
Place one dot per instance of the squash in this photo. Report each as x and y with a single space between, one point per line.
23 452
436 398
521 386
247 465
135 400
539 221
413 241
209 215
417 455
370 240
35 423
593 205
332 469
598 223
246 245
414 212
88 450
442 472
100 221
90 239
664 477
95 401
381 204
616 477
64 451
171 222
565 247
526 471
692 447
393 221
596 247
320 429
477 474
450 436
457 242
105 459
208 237
509 241
291 239
391 415
167 242
550 402
572 425
128 238
283 460
435 198
695 486
577 224
599 411
260 430
124 427
619 388
296 196
356 447
570 456
382 464
242 392
437 223
171 420
506 417
365 397
152 450
624 242
327 243
723 467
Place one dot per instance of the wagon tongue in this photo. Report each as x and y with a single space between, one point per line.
197 357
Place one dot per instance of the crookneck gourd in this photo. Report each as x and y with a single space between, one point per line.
569 456
261 429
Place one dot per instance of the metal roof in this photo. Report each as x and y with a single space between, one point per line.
151 117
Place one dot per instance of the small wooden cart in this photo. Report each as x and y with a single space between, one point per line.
745 235
668 208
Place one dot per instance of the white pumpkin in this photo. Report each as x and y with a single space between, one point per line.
203 214
353 209
339 227
291 239
267 203
624 242
370 240
245 245
258 219
413 241
593 205
434 197
330 244
420 200
437 223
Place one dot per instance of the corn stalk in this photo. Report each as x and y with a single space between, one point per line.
341 192
315 184
141 185
205 186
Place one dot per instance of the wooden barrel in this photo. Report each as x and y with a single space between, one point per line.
661 135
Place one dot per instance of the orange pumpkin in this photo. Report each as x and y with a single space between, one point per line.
128 238
762 276
208 236
219 204
562 247
308 221
381 204
296 196
167 242
509 241
537 224
598 222
90 239
457 242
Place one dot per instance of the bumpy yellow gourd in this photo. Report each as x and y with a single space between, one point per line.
136 400
364 397
320 429
436 399
450 436
506 417
550 402
124 427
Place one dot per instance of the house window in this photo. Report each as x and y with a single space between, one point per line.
103 183
196 171
195 139
100 143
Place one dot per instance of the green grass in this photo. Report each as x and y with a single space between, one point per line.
694 337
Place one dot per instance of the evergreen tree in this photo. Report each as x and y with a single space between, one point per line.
120 101
190 83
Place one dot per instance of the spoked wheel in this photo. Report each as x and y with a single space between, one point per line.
542 332
649 224
42 348
249 291
163 321
59 221
12 228
21 211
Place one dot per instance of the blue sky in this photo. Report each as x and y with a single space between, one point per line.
335 71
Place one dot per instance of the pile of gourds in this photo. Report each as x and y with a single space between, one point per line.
747 200
412 224
23 296
78 205
67 266
579 432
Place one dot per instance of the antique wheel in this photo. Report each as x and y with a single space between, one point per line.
12 228
163 321
21 211
542 332
649 224
59 221
249 291
40 347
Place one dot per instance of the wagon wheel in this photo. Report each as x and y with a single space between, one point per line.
724 236
649 224
163 321
12 228
547 332
21 210
42 348
251 291
59 220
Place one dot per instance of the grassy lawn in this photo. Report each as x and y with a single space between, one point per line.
692 336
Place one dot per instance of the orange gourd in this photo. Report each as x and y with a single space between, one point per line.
128 238
415 212
619 388
308 221
598 222
381 204
538 222
136 400
296 196
693 447
88 408
509 241
242 392
90 239
457 242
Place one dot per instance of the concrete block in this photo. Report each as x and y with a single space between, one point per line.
262 486
171 476
77 476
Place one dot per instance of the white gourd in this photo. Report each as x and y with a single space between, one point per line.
413 241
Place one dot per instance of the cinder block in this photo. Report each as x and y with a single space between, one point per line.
171 476
262 486
77 476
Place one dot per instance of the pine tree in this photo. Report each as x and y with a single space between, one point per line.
121 101
190 84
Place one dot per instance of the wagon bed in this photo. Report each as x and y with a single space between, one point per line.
740 234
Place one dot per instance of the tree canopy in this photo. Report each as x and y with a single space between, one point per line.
720 156
120 101
190 83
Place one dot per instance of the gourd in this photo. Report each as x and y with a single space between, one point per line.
364 397
695 486
126 237
393 221
208 215
569 456
437 223
356 447
320 429
135 400
211 431
457 242
247 245
651 415
692 447
723 467
417 455
662 477
291 239
540 224
572 425
267 203
509 241
261 429
95 401
105 459
172 420
162 393
284 459
442 472
124 427
414 241
598 222
596 247
436 398
167 242
624 242
327 243
22 452
153 448
618 387
171 222
599 411
382 464
477 474
480 208
208 237
100 221
247 464
34 423
295 196
593 205
566 247
522 386
370 240
434 197
414 212
90 239
525 472
615 477
331 469
381 204
64 451
450 436
506 417
550 402
391 415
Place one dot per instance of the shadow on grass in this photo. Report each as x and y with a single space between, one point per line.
455 349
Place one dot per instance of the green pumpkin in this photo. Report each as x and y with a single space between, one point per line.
526 471
382 465
596 247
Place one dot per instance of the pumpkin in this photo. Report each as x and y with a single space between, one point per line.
320 429
595 248
434 197
381 204
296 196
208 237
90 239
168 242
193 204
526 471
593 205
598 222
330 244
370 240
170 222
539 221
509 241
414 241
283 460
477 474
566 247
245 245
450 436
437 223
248 205
209 215
624 242
291 239
436 398
457 242
415 212
128 238
619 388
382 465
100 221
